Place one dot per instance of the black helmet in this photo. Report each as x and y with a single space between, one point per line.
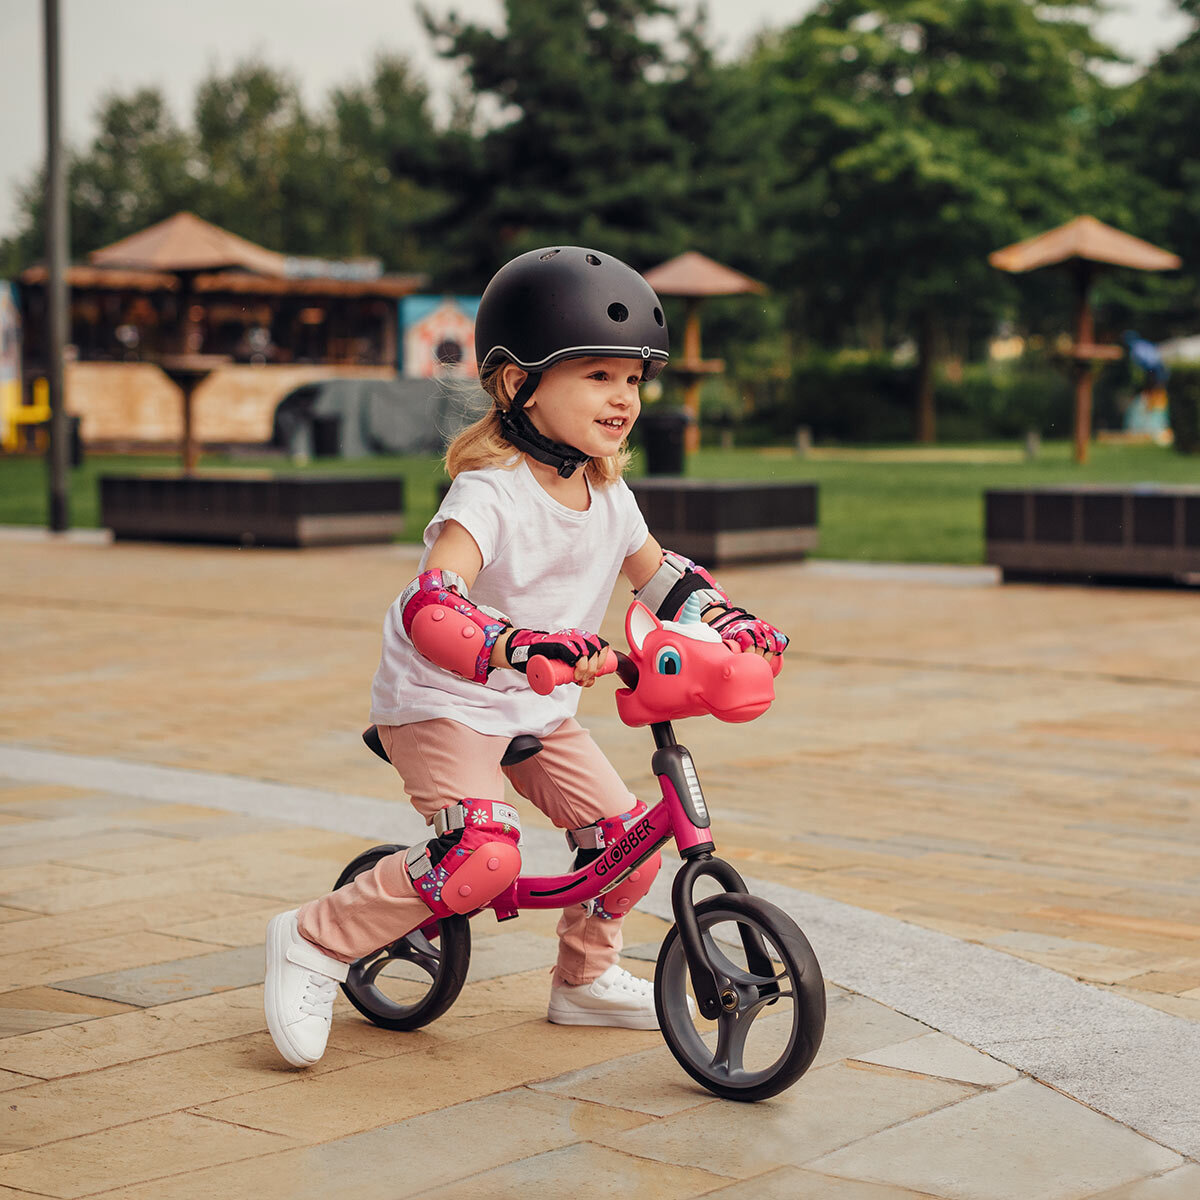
564 302
569 302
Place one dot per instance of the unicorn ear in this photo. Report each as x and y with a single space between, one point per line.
639 622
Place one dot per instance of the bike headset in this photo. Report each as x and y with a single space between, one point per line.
557 303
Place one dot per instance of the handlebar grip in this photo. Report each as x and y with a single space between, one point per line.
545 674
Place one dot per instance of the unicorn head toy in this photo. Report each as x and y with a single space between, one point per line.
684 669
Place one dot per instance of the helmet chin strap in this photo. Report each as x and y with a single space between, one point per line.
523 434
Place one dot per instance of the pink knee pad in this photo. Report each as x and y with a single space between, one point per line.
629 891
484 861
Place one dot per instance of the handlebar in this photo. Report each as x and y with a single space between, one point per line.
545 674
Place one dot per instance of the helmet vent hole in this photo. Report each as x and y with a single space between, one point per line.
593 260
658 315
618 312
547 256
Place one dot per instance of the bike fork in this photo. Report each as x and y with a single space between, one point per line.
715 991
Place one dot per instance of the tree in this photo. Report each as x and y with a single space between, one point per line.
375 124
579 147
1152 139
904 140
138 170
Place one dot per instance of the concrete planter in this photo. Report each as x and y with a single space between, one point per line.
1079 532
717 521
253 510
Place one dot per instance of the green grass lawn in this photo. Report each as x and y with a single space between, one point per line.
883 503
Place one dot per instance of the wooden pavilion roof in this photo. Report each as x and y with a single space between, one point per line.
239 282
186 242
110 278
219 261
1083 238
695 275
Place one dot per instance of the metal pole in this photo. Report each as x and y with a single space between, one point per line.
56 274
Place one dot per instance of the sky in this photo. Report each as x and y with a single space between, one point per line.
120 45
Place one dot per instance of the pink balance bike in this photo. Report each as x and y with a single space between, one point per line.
758 992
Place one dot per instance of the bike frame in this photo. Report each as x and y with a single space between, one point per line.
682 816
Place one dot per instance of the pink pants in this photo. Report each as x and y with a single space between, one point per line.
441 763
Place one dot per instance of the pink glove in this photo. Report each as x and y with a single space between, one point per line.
737 625
566 645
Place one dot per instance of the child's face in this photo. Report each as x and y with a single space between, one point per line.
588 403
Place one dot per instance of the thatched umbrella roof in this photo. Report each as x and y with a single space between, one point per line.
695 275
186 242
1083 238
1085 244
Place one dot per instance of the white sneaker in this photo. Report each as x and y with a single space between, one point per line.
301 984
616 998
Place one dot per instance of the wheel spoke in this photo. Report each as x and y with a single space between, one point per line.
752 1010
732 1029
368 970
416 949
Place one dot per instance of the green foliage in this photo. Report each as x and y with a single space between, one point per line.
1184 399
582 149
906 139
862 162
1152 140
257 163
864 398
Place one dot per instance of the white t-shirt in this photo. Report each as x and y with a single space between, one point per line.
545 566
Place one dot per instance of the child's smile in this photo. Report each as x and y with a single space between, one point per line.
588 403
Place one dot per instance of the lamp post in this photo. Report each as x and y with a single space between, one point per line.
56 273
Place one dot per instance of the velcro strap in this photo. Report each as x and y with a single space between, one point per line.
675 581
607 831
471 812
447 820
305 954
416 861
670 571
590 837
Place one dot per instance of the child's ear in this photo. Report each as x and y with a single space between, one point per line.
511 376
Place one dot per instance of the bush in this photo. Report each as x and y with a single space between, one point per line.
861 398
1183 393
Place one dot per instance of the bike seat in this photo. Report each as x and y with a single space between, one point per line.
371 737
523 746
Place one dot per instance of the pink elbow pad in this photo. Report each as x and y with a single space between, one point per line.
446 628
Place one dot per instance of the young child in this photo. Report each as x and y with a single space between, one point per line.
521 560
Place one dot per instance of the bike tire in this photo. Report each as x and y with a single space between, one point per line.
444 963
719 1063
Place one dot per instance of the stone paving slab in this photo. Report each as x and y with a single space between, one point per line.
121 1088
954 773
201 975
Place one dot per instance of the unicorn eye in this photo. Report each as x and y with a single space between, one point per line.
668 661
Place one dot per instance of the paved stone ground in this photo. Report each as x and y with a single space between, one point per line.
953 771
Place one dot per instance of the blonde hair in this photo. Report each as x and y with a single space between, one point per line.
483 444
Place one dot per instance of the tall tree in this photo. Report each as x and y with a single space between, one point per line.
139 168
1152 138
375 125
579 146
905 139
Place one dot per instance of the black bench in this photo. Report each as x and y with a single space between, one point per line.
719 521
1095 531
240 509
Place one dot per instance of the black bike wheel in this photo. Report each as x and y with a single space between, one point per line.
770 1030
415 979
